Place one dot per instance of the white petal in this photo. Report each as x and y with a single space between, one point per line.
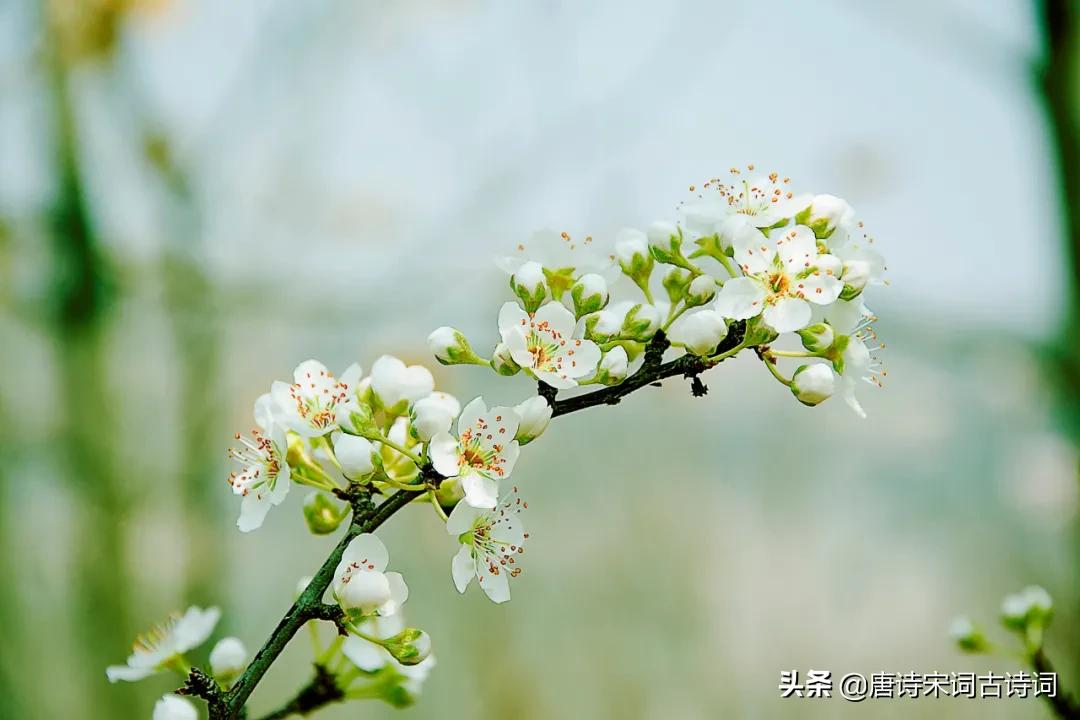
443 450
471 414
555 380
127 673
462 518
740 299
253 509
462 568
365 654
797 248
480 491
367 551
399 591
820 288
753 251
495 586
195 627
512 315
787 315
559 320
584 360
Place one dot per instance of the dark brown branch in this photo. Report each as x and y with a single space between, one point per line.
1063 704
321 691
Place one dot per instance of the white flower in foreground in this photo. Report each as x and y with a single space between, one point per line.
228 659
360 583
490 542
699 332
534 415
543 344
813 384
264 479
783 273
309 404
614 366
724 208
174 707
155 650
396 384
483 453
433 414
356 454
857 361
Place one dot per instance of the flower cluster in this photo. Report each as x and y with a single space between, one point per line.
748 264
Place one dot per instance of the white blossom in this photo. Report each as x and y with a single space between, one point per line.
857 361
725 208
784 272
534 415
354 453
491 541
483 453
699 332
263 480
174 707
813 384
360 582
433 414
614 366
228 658
395 384
544 345
155 650
309 404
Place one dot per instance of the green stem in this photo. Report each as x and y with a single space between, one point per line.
768 360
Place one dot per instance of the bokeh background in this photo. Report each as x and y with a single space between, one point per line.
195 196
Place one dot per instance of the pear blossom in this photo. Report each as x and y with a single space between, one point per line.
813 384
589 294
490 541
483 453
502 362
154 651
725 208
632 252
174 707
862 264
534 415
784 272
699 332
360 583
228 658
856 361
355 454
825 214
451 347
614 366
395 384
264 480
372 657
309 405
544 345
433 414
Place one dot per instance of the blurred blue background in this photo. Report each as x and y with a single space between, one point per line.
196 196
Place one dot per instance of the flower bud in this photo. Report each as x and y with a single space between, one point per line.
533 417
411 646
527 282
357 455
701 290
817 337
966 636
665 243
322 514
825 214
590 293
228 659
613 366
855 275
641 322
174 707
632 251
676 281
365 591
602 326
1030 605
432 415
357 419
502 363
699 333
813 384
450 347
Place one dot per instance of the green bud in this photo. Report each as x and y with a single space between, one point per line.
835 353
411 646
451 347
701 290
613 366
632 251
559 281
817 337
502 363
665 243
361 421
602 326
590 293
528 283
322 514
967 636
641 323
758 333
1029 609
676 281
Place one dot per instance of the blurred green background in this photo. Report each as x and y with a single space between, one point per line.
195 196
